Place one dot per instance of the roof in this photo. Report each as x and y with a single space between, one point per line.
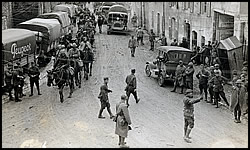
229 43
118 8
173 48
108 3
12 35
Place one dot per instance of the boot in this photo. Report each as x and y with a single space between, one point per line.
100 114
181 90
187 135
110 113
217 104
137 101
174 89
123 143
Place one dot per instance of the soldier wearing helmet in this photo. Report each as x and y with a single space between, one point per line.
238 100
179 77
217 83
189 72
139 35
189 113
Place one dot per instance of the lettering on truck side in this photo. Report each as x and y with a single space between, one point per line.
15 50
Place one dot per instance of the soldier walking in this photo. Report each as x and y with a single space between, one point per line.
34 78
123 121
217 82
189 113
103 96
100 22
179 77
140 36
131 86
9 80
132 44
152 39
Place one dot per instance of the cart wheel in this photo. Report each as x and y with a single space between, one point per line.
161 81
147 71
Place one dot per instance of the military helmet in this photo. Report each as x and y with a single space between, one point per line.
189 91
238 81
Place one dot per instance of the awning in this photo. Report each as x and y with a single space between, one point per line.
230 43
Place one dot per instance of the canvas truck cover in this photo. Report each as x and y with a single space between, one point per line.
70 9
50 28
17 43
118 8
62 17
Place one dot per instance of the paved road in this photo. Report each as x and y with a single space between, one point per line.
157 120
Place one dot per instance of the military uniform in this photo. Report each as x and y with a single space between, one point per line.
189 114
179 77
21 73
16 83
189 72
34 78
140 36
132 44
203 75
218 90
9 80
152 40
131 87
103 96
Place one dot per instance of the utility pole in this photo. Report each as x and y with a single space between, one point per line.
163 19
144 16
141 15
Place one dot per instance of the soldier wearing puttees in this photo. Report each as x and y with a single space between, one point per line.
34 78
9 80
131 86
189 114
151 39
179 76
132 44
103 96
189 72
217 83
203 75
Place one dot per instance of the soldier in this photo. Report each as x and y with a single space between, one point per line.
16 83
134 20
179 76
174 43
238 100
189 72
140 36
34 78
210 86
123 121
217 68
21 74
131 86
100 22
217 82
9 79
152 39
184 43
189 114
132 44
163 40
203 75
103 96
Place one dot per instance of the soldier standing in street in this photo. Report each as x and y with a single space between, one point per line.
21 73
16 83
132 44
179 77
103 96
34 78
100 21
152 39
9 79
163 40
203 75
238 100
131 86
217 82
189 72
174 43
140 36
189 114
123 121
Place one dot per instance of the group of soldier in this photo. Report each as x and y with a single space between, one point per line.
14 80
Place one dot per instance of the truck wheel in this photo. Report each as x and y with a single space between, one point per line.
161 80
147 71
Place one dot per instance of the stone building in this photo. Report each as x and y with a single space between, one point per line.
199 22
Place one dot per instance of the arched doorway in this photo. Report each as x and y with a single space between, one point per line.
202 41
172 30
187 32
194 39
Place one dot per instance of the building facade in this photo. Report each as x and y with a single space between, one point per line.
199 22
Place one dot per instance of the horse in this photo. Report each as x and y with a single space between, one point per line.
62 76
77 71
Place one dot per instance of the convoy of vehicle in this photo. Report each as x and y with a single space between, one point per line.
164 66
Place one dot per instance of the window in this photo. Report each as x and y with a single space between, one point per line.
205 7
209 9
191 7
153 19
200 8
188 4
